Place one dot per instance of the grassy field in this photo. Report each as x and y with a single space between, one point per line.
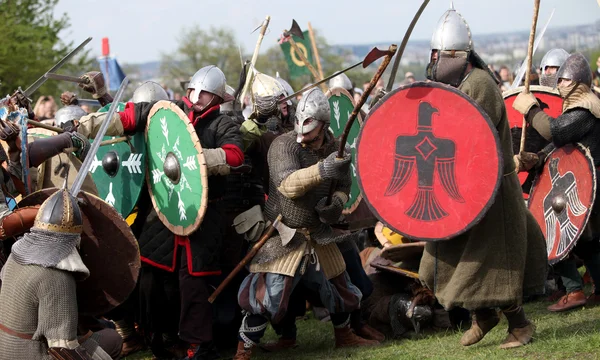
572 335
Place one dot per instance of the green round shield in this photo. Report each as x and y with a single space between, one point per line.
119 170
341 104
176 177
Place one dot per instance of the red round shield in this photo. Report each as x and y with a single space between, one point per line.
417 161
562 197
550 101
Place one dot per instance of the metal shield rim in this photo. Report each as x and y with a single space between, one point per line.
492 128
338 91
179 230
586 152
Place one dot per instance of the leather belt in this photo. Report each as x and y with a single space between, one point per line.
11 332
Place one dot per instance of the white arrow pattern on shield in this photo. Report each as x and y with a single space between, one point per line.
176 149
336 112
134 163
110 198
95 164
191 163
157 175
181 207
165 129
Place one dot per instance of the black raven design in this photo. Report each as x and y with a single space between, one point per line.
562 196
428 154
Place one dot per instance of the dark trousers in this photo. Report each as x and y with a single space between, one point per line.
587 250
159 300
196 319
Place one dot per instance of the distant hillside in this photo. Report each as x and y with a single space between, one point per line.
503 48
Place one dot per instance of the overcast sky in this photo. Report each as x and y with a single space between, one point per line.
140 30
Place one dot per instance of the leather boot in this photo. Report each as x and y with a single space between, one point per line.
482 321
345 337
369 333
281 344
570 301
555 296
518 337
242 352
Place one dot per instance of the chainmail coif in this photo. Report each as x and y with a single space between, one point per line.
44 248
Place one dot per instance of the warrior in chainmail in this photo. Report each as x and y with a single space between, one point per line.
303 164
41 272
578 123
501 258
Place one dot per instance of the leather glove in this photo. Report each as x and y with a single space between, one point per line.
333 168
81 145
216 162
94 84
9 131
379 93
330 214
525 161
68 98
524 102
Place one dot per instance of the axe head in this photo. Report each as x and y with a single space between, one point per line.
295 30
375 54
285 233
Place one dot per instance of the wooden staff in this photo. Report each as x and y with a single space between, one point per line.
536 10
263 239
313 40
359 105
60 131
250 76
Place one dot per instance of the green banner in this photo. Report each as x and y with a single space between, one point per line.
295 64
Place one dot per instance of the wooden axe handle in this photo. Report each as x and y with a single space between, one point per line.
263 239
359 105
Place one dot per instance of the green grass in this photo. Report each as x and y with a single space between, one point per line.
571 335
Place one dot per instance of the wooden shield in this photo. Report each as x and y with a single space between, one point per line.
176 176
109 250
416 165
562 197
387 266
549 100
341 105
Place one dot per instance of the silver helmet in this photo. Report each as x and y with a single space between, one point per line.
452 33
453 42
315 106
210 79
341 81
228 106
149 91
286 86
576 68
553 58
266 91
68 113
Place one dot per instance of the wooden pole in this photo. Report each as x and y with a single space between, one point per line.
536 11
263 239
60 131
384 64
315 49
307 63
250 75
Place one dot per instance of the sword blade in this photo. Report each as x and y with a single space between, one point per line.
523 68
39 82
88 102
68 78
87 163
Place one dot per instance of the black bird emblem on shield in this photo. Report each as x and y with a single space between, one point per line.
430 154
562 196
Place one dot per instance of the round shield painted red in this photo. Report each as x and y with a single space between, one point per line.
562 198
418 161
549 100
